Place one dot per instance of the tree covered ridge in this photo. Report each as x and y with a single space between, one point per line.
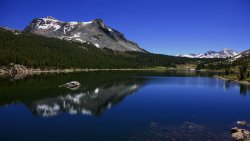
238 69
42 52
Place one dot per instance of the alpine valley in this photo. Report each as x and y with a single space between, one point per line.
108 70
49 44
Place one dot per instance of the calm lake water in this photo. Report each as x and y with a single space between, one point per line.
122 106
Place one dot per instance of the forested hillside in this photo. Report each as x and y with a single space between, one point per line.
42 52
233 68
224 64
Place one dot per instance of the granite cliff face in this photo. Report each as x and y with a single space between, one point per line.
95 32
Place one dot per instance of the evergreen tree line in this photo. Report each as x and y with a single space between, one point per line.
42 52
239 67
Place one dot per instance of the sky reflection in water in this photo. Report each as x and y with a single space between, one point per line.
122 106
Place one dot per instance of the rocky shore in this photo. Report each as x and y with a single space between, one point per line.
241 133
18 71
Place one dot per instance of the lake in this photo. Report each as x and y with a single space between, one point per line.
122 106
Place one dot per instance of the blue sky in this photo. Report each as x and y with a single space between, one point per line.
159 26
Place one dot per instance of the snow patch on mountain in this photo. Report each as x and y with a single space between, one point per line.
226 53
241 55
73 23
97 45
86 23
110 30
80 40
94 32
46 23
77 35
133 49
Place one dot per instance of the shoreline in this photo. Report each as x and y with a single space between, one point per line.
227 79
19 71
38 71
15 69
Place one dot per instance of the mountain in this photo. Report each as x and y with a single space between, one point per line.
244 54
8 28
36 51
212 54
233 63
95 32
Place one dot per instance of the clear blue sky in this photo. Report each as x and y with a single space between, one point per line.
159 26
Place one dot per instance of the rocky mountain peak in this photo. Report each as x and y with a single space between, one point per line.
50 17
94 32
241 55
225 53
100 22
226 49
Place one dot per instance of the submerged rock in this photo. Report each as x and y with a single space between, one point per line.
240 134
237 134
186 131
242 123
73 85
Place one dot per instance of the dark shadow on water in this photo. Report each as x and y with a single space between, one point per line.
244 89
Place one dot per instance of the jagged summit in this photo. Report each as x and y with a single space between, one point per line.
99 22
50 17
241 55
95 32
225 53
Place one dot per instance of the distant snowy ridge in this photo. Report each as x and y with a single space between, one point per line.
225 53
94 32
241 55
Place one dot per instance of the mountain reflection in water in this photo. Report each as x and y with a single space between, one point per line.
124 106
98 92
87 103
